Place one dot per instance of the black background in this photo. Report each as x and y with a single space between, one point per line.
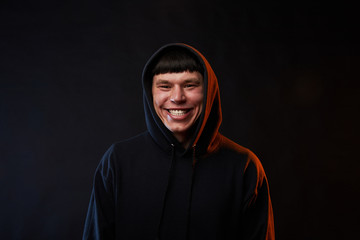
70 85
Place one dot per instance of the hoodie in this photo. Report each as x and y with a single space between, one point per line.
151 187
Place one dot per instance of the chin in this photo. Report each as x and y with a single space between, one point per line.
178 130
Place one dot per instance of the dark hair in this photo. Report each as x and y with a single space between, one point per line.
177 60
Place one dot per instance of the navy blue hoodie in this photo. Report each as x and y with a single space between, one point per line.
151 187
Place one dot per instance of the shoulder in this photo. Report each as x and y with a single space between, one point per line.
231 147
227 144
126 147
137 139
130 144
253 171
252 162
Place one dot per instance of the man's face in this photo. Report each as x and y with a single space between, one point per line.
178 100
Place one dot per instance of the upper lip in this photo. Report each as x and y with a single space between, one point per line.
185 110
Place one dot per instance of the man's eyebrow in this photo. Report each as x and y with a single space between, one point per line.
161 81
193 80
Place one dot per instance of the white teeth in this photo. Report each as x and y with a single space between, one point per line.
177 112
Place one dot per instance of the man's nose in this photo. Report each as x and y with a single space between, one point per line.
177 95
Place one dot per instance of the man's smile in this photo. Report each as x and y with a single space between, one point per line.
178 112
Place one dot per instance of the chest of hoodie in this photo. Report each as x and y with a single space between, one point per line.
151 182
151 178
206 197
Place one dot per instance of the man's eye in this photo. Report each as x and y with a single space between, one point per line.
164 86
190 85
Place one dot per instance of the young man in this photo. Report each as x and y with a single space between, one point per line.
181 179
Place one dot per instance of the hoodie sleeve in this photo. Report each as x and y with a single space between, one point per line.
100 218
257 222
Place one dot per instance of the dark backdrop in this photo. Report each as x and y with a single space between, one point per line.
70 86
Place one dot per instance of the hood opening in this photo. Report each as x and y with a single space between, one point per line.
208 123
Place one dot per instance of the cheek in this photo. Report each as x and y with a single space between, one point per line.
199 99
158 100
201 103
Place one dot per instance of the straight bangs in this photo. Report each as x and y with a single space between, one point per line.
176 61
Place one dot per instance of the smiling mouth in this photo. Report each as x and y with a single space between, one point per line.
177 112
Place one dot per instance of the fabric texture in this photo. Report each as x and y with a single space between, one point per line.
151 187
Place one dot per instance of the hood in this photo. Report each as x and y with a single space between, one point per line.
205 137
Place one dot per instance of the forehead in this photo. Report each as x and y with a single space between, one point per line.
178 77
